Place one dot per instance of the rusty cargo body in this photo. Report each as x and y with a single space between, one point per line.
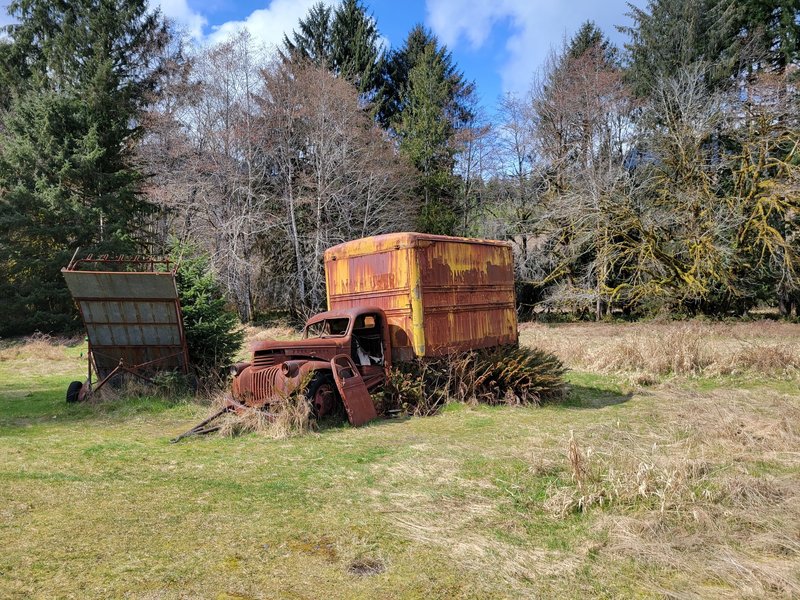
440 294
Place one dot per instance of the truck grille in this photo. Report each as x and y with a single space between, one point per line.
264 382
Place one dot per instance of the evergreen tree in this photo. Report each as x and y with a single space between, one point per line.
397 72
213 335
345 41
313 40
773 27
670 34
731 37
78 75
589 37
425 132
356 51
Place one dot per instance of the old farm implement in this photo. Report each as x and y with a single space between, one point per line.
132 315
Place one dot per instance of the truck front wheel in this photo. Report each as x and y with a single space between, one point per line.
322 394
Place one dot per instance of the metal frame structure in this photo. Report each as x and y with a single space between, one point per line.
132 316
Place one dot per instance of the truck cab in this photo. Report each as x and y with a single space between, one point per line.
337 345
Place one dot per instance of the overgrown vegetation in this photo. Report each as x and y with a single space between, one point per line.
213 333
286 416
651 351
505 375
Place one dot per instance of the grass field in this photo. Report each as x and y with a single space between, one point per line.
672 470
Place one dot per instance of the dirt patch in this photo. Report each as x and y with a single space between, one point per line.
366 567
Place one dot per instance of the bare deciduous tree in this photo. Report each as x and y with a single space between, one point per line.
337 175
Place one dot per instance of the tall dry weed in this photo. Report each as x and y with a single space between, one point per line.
678 350
766 358
37 346
654 350
708 492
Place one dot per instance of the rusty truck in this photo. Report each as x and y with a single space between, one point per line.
391 298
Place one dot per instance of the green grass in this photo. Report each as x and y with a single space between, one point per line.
96 503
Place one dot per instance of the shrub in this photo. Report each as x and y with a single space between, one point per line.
213 335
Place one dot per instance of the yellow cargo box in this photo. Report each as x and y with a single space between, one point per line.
440 294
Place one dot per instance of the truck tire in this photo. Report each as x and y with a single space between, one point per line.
74 391
322 394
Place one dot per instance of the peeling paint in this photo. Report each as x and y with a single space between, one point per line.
439 293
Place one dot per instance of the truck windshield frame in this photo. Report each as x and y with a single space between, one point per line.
327 328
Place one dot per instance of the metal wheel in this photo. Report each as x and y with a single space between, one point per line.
74 391
322 394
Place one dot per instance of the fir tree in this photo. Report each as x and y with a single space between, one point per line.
345 41
79 75
730 37
670 34
355 42
590 36
213 335
313 40
424 132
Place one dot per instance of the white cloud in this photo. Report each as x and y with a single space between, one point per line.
267 25
180 12
5 19
535 27
177 10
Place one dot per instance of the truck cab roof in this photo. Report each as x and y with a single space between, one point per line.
346 313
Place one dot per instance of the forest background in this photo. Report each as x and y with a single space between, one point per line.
661 177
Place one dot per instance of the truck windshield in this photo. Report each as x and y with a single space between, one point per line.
328 328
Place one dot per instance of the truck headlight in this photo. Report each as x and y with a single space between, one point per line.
234 370
289 368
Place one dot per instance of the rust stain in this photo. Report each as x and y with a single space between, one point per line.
440 294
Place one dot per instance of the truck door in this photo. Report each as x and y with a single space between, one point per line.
355 396
369 352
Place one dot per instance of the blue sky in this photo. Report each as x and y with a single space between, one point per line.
499 44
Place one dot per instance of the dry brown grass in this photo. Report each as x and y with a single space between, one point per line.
37 346
255 333
649 350
683 493
691 496
285 417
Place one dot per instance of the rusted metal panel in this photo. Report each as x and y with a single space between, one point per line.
440 293
468 295
355 396
363 274
130 316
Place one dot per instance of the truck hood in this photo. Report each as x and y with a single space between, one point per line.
292 346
